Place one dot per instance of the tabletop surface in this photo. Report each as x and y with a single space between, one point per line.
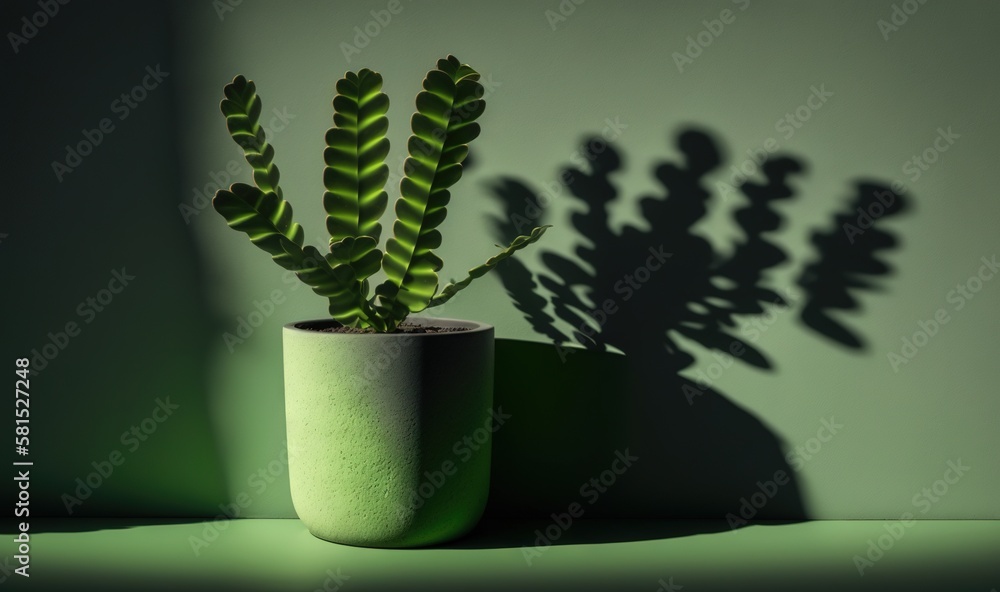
641 555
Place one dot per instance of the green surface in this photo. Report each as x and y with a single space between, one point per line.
254 555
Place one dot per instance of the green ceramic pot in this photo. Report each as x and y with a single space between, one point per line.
389 434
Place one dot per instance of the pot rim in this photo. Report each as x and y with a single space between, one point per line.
471 327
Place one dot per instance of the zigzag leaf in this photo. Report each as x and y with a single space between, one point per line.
442 127
356 172
267 220
360 255
338 282
518 243
242 109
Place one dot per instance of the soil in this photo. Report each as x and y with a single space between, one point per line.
334 327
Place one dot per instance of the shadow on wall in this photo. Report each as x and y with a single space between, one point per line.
120 410
656 443
847 254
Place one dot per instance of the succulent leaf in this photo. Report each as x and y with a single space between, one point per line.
355 197
360 254
442 127
266 219
242 108
356 172
476 272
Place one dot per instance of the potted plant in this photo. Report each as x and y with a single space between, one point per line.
389 417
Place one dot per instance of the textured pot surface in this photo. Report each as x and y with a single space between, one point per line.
389 435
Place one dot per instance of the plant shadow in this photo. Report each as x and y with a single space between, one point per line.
847 259
603 416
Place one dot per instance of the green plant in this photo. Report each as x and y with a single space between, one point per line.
355 199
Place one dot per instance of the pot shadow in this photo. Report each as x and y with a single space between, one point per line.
493 533
620 315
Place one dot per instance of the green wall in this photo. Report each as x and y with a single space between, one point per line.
862 101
